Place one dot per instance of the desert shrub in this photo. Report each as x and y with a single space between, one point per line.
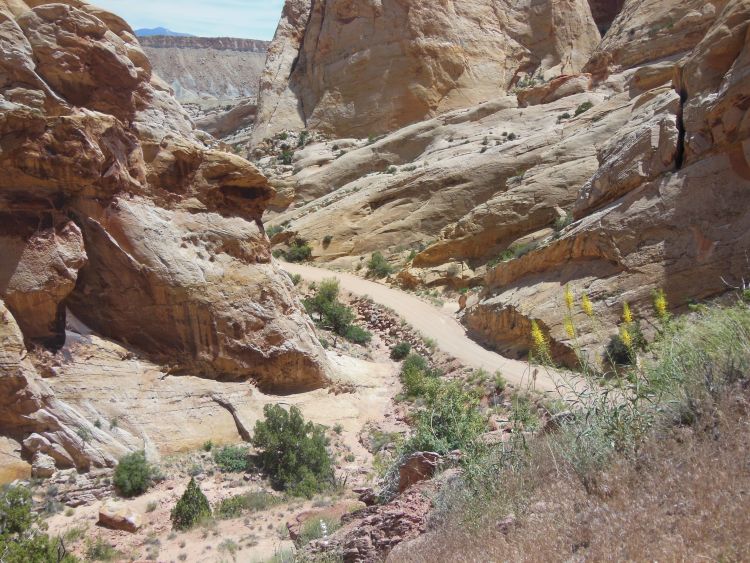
208 445
296 279
287 155
583 108
293 451
133 475
331 314
327 240
378 266
391 170
299 251
512 137
274 230
400 351
450 421
317 528
235 506
232 459
358 335
191 509
21 538
100 550
303 138
562 222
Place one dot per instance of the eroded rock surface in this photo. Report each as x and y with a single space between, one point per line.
112 206
365 68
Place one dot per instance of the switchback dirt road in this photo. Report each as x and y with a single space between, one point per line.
434 323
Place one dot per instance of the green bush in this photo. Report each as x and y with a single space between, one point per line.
293 451
296 279
232 459
286 157
100 550
451 421
400 351
191 509
583 108
235 506
331 314
274 230
133 475
357 334
378 266
299 251
21 540
317 528
327 240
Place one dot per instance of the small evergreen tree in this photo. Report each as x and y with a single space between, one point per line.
191 508
293 451
133 475
21 539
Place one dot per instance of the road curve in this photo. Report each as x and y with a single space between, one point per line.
432 322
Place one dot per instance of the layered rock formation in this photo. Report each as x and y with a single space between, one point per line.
112 207
645 152
204 69
366 68
214 78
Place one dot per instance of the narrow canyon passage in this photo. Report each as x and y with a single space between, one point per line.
436 324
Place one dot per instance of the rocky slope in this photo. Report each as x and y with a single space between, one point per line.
132 253
642 144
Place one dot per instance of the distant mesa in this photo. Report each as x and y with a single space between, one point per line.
160 31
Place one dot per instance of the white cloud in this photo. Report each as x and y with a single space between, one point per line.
255 19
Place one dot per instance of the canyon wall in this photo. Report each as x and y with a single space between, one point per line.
627 176
369 67
128 246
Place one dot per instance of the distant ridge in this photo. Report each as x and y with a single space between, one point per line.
160 31
192 42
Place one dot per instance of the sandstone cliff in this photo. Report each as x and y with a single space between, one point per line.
116 217
368 67
645 152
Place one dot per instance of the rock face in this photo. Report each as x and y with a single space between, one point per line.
627 177
113 207
368 67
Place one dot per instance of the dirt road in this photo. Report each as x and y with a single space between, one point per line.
435 323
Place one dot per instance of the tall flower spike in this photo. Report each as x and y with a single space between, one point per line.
541 346
570 328
627 314
569 301
626 337
661 307
587 306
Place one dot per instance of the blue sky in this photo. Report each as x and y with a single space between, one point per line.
252 19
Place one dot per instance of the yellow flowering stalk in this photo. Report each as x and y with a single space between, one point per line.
661 306
540 343
587 306
627 338
569 301
570 328
627 314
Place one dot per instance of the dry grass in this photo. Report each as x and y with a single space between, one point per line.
686 497
666 478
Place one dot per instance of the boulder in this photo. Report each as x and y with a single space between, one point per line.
42 466
419 466
116 516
